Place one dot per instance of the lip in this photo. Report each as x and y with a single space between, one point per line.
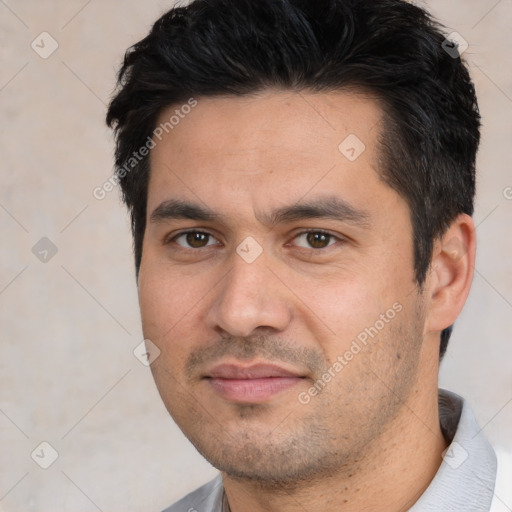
254 371
251 384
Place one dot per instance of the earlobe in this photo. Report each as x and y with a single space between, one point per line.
452 268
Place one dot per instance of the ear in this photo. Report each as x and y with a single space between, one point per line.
451 273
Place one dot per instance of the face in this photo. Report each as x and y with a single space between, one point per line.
277 281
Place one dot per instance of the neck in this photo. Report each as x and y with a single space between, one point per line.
406 455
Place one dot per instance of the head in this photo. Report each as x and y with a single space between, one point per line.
332 141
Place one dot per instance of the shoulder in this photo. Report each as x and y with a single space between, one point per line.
207 498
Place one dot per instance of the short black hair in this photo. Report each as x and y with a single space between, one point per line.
391 49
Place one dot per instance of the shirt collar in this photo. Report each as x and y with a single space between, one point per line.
465 480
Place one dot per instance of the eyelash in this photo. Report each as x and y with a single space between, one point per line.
168 241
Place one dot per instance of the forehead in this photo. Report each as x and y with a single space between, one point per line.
279 118
274 146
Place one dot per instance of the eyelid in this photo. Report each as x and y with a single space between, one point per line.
338 238
171 238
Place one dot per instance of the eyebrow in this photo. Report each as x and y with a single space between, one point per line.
324 207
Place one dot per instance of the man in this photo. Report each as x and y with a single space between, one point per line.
300 176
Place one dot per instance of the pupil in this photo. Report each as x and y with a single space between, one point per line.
196 239
317 240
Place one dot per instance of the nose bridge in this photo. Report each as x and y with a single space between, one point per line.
250 295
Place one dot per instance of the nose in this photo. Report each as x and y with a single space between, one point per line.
250 297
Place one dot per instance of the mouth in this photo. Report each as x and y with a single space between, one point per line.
256 383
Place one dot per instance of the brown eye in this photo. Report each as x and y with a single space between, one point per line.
193 239
315 239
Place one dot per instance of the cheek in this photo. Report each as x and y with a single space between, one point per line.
165 299
344 304
173 303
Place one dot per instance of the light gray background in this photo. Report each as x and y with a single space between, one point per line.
69 326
